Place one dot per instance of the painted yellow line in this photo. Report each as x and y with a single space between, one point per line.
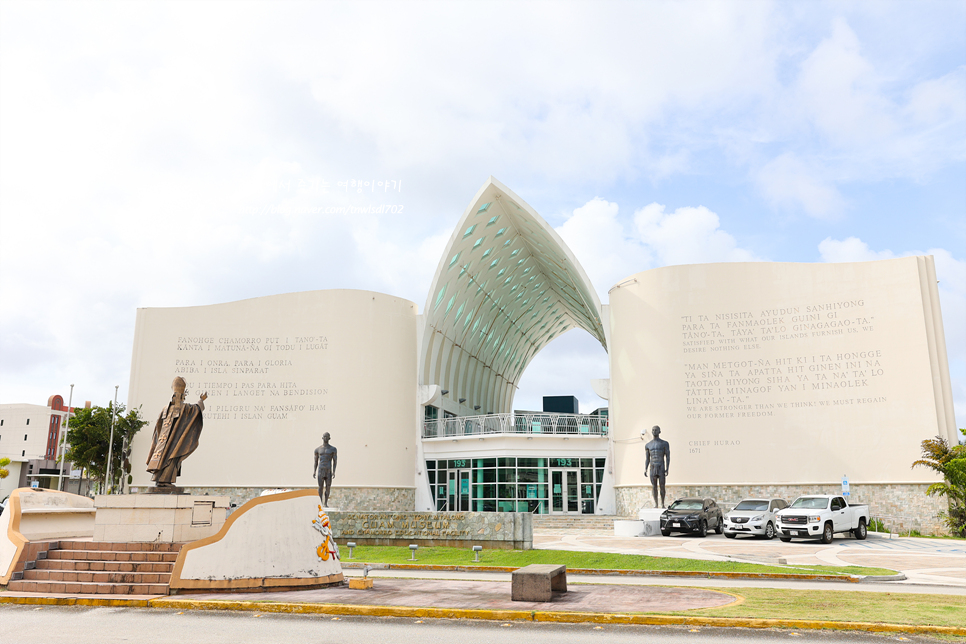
501 615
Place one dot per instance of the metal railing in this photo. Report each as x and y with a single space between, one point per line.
538 423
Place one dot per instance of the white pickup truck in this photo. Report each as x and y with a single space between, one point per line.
821 516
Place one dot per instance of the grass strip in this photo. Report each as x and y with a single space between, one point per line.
842 605
577 559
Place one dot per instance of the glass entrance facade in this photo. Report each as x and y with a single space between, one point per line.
568 485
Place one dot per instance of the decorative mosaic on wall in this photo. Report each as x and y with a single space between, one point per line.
346 499
901 507
500 530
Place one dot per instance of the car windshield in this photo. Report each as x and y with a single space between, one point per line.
810 503
686 505
754 506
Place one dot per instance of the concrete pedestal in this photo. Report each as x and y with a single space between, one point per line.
651 518
628 528
171 518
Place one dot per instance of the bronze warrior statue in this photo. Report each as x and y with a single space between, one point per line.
176 436
326 458
658 462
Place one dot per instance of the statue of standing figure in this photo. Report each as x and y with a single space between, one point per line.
176 436
326 458
658 463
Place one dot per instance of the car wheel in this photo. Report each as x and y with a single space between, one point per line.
785 539
703 530
769 531
861 532
730 535
666 533
827 533
719 528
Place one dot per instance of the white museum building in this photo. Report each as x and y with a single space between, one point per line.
766 378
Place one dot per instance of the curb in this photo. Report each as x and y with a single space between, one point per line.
493 615
641 573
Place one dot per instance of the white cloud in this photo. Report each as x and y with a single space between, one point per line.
788 182
852 249
687 236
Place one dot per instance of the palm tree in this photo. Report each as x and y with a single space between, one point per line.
949 461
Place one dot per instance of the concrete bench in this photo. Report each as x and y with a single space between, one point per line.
536 582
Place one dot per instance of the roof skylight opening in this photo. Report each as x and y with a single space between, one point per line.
439 297
477 243
493 221
486 253
484 207
455 258
501 231
469 231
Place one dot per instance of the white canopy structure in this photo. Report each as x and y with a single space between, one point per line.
505 287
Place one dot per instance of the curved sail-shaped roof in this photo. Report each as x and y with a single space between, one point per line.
505 287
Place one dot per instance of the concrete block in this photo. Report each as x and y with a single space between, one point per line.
628 528
360 583
536 582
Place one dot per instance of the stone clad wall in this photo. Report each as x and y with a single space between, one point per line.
347 499
501 530
902 506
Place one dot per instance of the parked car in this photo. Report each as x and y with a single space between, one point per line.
692 515
822 516
755 517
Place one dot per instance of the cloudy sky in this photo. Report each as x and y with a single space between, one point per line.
178 154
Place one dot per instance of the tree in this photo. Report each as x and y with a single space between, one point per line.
950 461
4 472
89 435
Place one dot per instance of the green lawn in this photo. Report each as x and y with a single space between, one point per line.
599 560
843 605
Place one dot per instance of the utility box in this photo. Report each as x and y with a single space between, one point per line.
561 404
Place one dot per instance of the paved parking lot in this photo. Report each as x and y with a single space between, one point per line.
923 561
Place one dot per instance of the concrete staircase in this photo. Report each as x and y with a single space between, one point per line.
577 523
97 567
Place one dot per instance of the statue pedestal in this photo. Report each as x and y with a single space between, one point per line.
651 520
169 518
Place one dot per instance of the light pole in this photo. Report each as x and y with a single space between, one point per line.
63 439
110 444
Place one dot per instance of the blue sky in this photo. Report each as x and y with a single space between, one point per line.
174 154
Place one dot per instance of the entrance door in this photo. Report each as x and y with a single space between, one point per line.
458 489
564 491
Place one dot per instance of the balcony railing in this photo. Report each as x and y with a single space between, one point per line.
543 423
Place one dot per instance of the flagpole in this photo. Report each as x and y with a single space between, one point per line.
110 445
63 439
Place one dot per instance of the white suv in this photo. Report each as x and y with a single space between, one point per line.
755 517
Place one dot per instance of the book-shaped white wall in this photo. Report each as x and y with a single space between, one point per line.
779 373
280 371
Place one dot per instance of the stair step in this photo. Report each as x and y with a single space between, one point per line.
86 588
105 566
97 577
112 555
118 546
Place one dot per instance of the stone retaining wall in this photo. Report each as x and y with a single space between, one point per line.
907 504
346 499
492 530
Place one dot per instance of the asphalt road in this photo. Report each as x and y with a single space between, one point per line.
84 625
